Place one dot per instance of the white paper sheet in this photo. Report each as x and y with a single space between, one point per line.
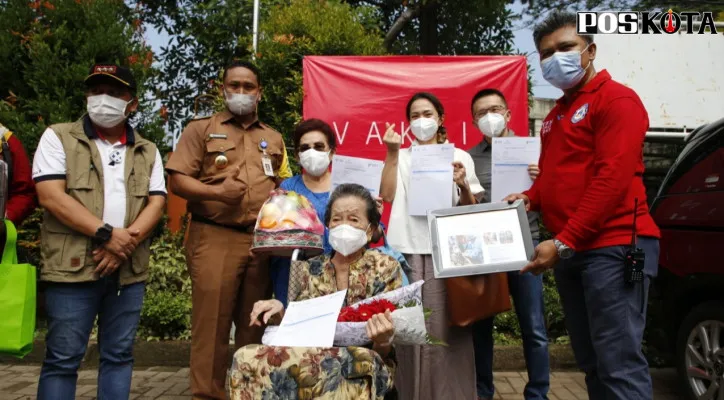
361 171
431 173
310 323
511 157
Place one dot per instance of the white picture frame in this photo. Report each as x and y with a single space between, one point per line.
480 239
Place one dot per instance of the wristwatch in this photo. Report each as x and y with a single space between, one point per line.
103 234
564 252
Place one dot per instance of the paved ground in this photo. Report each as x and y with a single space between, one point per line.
170 383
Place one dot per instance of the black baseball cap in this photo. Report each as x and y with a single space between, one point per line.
105 72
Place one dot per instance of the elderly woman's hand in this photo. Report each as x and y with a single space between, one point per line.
380 329
266 309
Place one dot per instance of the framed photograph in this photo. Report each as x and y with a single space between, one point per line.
480 239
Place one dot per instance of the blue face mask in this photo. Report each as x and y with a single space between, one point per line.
563 69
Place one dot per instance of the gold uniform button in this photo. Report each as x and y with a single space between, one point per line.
221 161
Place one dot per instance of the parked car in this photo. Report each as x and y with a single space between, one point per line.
689 209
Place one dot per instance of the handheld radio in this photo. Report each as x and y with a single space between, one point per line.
635 257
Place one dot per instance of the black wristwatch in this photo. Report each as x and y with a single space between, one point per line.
103 234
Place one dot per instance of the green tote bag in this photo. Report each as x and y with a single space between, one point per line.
17 299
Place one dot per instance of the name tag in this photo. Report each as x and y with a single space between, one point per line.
217 136
266 163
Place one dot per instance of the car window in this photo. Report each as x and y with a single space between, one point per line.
708 141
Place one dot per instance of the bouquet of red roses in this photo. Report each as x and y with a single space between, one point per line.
365 311
408 317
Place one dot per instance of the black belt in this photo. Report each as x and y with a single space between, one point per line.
249 228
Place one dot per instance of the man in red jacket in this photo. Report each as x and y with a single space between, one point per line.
21 191
589 189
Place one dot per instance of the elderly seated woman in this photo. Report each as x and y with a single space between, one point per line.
266 372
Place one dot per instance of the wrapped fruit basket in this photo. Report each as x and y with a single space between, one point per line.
287 222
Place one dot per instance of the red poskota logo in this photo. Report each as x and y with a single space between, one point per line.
670 26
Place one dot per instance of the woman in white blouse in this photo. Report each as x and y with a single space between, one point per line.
428 372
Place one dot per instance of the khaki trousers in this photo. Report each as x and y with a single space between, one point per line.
226 282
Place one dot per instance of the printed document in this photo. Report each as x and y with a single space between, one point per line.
361 171
310 323
431 174
511 157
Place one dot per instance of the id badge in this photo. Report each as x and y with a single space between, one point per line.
266 163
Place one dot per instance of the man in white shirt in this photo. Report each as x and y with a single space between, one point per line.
103 190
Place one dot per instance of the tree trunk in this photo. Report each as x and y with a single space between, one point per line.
400 22
428 29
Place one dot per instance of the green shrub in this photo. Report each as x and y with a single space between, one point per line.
506 329
553 308
167 266
166 315
506 326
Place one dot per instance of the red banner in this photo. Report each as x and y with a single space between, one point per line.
358 95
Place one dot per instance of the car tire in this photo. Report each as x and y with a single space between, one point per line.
702 316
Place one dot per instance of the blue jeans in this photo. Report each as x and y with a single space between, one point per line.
606 317
72 308
527 292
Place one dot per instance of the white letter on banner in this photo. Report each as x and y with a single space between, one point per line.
377 133
340 140
405 133
465 133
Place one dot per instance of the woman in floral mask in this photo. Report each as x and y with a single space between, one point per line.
429 372
352 217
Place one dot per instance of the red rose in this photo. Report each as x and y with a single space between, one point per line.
364 312
349 314
380 306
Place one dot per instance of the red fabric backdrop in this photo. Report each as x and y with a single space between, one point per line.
358 95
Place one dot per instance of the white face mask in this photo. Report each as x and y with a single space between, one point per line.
346 239
107 111
492 124
314 162
240 104
424 128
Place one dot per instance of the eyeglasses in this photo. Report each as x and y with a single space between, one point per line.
494 109
319 146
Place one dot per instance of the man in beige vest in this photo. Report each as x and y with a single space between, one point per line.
103 191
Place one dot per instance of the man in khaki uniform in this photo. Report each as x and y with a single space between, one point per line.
103 191
225 166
